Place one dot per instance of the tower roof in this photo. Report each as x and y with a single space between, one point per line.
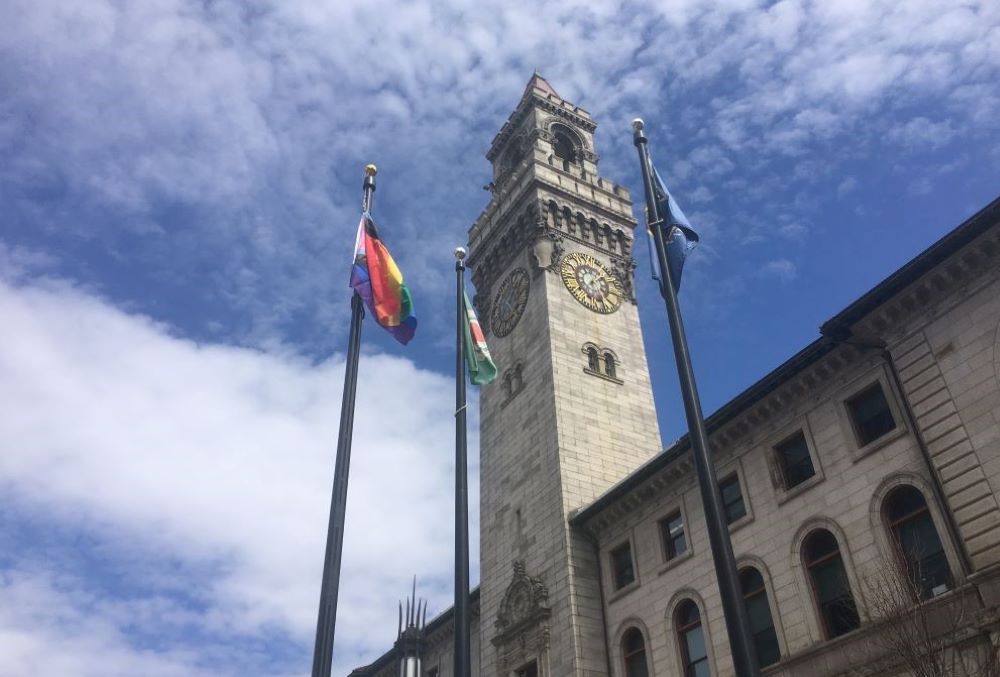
538 82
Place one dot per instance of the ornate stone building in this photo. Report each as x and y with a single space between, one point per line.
869 458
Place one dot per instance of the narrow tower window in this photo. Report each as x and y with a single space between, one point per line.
565 149
593 361
609 364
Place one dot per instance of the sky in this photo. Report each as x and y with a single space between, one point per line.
180 183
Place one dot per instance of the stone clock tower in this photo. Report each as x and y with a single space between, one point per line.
571 412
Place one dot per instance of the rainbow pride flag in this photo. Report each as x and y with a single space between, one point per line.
377 280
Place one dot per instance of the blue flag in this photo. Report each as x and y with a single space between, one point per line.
680 237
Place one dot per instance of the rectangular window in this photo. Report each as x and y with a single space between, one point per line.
870 415
732 498
794 460
674 539
621 565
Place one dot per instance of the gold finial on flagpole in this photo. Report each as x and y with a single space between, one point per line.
371 170
460 253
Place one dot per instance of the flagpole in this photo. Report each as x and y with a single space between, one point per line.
737 620
326 624
463 662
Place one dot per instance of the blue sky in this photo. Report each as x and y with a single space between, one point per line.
180 184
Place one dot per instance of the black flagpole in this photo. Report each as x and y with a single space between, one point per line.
463 661
737 621
325 626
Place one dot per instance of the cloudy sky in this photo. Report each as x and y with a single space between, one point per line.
180 184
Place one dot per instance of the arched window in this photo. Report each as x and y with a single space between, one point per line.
691 637
593 360
765 640
609 364
508 388
917 543
564 148
831 589
634 652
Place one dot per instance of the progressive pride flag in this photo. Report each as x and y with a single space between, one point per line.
377 280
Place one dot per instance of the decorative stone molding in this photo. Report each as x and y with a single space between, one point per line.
522 605
624 270
548 249
522 623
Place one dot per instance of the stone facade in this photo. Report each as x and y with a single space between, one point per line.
570 473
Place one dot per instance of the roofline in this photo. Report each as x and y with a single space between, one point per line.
727 412
967 231
970 229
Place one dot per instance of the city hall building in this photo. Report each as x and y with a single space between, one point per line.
860 478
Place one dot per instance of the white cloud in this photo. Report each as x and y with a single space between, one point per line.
219 459
921 133
783 269
224 143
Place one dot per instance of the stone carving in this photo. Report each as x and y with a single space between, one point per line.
624 270
522 605
548 248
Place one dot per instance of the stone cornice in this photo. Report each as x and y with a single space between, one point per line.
940 289
504 207
532 218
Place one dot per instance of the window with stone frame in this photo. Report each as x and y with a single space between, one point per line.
765 639
622 567
830 586
691 637
732 498
673 535
634 653
918 546
529 670
609 365
794 461
870 414
564 148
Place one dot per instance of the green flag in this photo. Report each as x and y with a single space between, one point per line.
477 354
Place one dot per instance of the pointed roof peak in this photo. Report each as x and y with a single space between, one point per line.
538 82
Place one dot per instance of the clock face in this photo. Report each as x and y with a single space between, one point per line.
591 283
509 302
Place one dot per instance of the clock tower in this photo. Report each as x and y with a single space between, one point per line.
571 411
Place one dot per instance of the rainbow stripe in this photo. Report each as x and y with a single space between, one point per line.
377 280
